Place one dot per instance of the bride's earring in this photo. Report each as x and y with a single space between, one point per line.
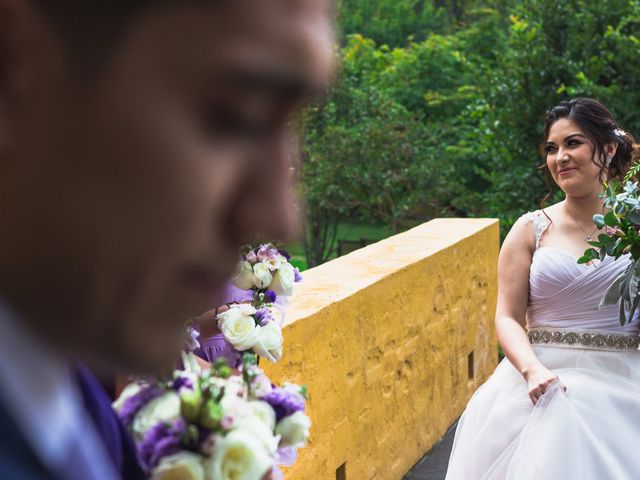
609 159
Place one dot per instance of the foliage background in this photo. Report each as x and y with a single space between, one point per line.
438 106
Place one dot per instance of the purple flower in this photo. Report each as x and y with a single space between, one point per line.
208 444
267 252
182 382
285 254
284 402
264 316
192 336
133 404
286 456
160 441
263 252
297 276
261 385
270 296
227 422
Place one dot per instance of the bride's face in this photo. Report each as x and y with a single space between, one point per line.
570 158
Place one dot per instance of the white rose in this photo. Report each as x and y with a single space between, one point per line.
258 430
294 430
239 327
261 386
129 391
244 278
283 280
274 262
164 409
234 407
238 456
264 412
191 367
180 466
234 387
269 343
262 277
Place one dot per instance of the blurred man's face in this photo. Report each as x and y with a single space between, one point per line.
125 198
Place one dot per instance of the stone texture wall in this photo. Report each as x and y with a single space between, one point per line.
392 340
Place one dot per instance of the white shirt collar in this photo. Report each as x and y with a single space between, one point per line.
37 389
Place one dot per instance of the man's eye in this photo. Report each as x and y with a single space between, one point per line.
220 121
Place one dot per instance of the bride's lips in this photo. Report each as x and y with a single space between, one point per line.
566 171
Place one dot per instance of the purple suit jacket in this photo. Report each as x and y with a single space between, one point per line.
115 437
18 461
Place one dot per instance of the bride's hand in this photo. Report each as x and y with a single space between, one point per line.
538 380
208 321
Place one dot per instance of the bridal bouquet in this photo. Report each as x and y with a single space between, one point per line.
213 424
266 272
257 298
248 328
622 224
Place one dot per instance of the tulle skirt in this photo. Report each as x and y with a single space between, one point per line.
591 432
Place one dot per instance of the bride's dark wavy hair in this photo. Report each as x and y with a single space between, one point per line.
600 126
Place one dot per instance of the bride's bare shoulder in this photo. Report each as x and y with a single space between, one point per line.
528 229
521 234
553 210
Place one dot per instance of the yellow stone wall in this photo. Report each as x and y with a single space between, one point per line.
383 337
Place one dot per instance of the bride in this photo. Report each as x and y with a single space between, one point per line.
565 402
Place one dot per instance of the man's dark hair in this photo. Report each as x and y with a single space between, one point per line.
91 28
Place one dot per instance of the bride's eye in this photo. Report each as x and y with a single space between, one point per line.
549 149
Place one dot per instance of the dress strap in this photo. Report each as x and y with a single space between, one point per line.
540 224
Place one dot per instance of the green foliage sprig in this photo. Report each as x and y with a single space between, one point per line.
622 237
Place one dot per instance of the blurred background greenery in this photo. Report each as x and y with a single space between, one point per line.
438 108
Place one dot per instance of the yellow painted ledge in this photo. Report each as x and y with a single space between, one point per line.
391 340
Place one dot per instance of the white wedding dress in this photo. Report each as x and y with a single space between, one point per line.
591 432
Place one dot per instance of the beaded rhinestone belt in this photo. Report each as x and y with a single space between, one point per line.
595 339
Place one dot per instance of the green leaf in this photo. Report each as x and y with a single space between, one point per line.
599 220
605 239
610 219
634 307
589 255
621 315
603 254
634 217
612 294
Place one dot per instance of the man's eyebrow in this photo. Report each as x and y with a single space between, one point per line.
285 84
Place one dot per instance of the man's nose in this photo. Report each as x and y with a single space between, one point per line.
269 209
269 213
